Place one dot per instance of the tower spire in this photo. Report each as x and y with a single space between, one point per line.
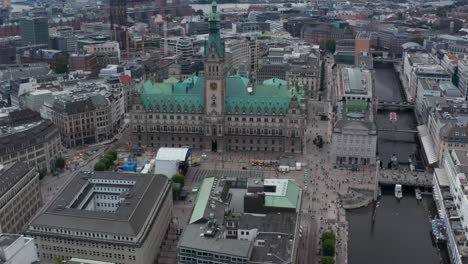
214 27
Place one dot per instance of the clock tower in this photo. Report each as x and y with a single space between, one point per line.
215 82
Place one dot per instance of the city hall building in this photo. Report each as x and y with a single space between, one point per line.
216 112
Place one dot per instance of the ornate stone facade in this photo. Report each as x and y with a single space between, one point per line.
219 112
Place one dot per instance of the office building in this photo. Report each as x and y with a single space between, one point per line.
362 44
243 220
34 30
419 65
105 216
36 143
20 196
463 77
118 21
446 128
450 183
354 138
106 53
85 116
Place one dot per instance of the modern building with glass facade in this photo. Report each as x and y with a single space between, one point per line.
34 30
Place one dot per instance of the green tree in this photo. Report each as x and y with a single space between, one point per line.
106 162
61 64
109 157
328 247
178 178
42 173
113 153
60 163
441 11
330 46
322 77
199 12
58 260
100 166
328 235
327 260
175 192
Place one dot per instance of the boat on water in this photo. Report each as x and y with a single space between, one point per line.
398 191
439 231
418 194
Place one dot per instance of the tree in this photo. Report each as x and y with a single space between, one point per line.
322 77
328 235
113 153
328 247
100 166
178 178
327 260
441 11
61 64
199 12
330 46
106 162
58 260
175 192
110 157
42 173
60 163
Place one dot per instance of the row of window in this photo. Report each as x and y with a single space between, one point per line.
76 233
87 244
207 255
253 131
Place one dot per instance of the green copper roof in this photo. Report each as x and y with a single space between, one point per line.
202 200
273 97
214 37
236 86
265 99
290 200
173 96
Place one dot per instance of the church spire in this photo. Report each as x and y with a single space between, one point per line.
214 27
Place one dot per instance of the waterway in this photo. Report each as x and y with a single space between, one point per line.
401 144
399 234
19 7
207 7
400 231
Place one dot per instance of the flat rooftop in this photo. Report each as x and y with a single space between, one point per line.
420 57
275 226
355 81
7 239
137 195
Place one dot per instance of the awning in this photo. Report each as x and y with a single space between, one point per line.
428 144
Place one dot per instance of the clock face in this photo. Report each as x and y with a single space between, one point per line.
213 86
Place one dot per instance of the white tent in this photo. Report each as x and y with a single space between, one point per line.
168 160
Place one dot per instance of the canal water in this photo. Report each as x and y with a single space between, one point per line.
400 231
399 234
401 144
